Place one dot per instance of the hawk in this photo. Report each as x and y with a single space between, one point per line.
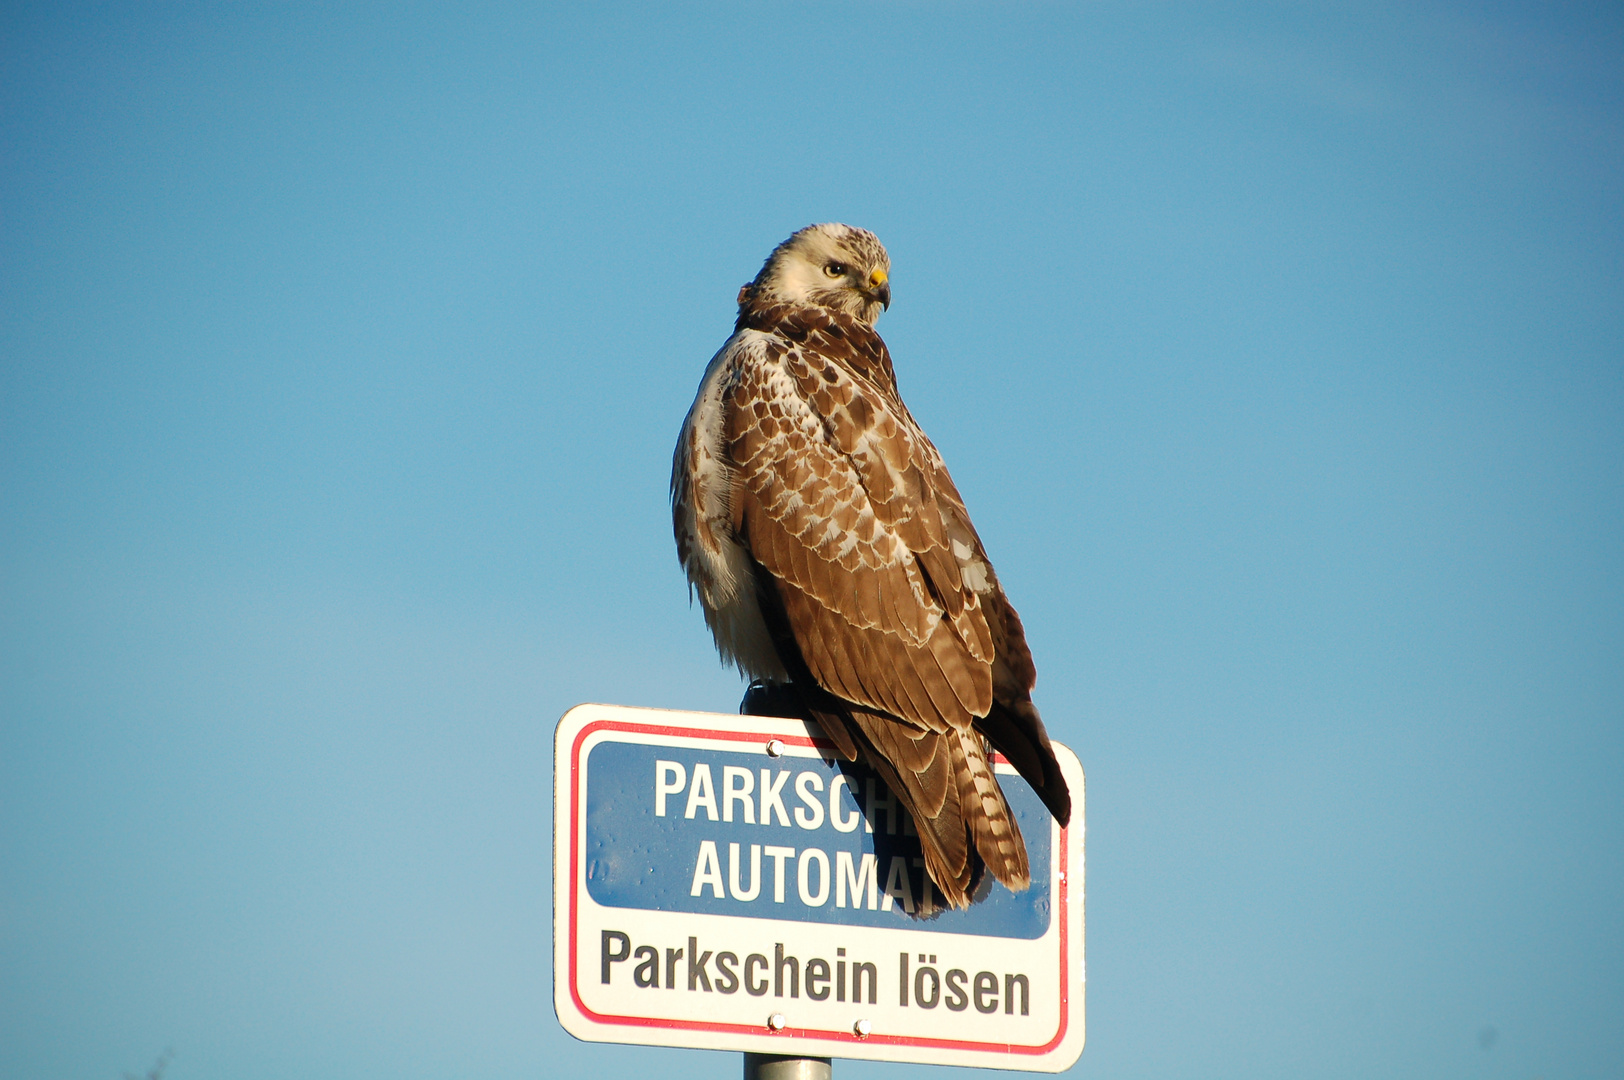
837 566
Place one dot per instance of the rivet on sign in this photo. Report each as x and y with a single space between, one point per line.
862 1028
776 1021
775 748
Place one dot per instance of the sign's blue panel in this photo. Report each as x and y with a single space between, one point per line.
740 833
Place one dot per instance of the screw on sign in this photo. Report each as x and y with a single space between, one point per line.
725 882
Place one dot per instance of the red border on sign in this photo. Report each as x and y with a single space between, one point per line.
1061 912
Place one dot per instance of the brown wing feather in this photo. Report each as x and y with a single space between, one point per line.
872 562
919 769
890 604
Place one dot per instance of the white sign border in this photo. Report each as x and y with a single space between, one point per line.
1056 1055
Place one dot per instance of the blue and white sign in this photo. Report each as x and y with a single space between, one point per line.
724 882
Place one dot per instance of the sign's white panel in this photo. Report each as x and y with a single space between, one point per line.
723 882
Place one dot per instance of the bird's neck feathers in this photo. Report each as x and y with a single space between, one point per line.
831 334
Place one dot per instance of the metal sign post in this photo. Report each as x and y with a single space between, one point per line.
722 882
774 1067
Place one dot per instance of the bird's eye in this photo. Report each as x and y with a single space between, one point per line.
835 269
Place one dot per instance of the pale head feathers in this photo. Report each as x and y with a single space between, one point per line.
830 266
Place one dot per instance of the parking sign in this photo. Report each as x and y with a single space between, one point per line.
725 882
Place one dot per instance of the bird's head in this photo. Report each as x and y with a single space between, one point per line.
829 266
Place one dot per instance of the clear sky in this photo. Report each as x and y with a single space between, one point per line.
1278 351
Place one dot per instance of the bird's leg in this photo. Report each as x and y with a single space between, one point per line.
774 699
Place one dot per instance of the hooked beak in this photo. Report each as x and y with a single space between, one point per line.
879 287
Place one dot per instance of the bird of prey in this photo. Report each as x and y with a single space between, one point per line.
836 563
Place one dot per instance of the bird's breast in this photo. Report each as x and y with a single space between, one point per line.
705 489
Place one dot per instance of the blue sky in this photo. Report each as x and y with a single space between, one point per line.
1278 351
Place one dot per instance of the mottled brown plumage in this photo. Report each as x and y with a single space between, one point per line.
833 555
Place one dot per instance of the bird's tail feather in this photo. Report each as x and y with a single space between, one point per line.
942 779
997 836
